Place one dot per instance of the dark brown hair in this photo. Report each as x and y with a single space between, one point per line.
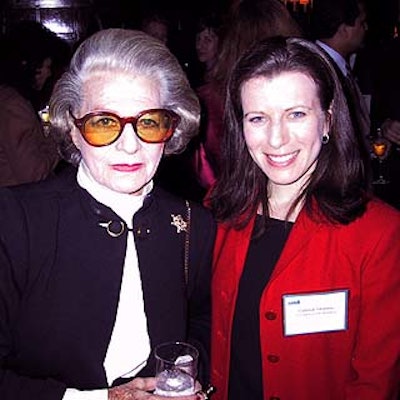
338 182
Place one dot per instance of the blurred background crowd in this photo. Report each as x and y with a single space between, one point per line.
206 37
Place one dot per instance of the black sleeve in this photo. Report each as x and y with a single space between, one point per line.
202 235
13 272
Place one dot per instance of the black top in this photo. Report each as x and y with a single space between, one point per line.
60 276
245 380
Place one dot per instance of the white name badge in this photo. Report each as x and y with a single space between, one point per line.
315 312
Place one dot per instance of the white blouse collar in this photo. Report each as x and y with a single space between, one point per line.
125 205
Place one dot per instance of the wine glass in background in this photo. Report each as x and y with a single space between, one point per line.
44 116
380 149
176 369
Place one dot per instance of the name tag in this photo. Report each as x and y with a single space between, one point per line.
315 312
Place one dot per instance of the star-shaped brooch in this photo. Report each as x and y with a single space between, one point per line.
179 223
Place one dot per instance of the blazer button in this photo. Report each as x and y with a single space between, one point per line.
224 295
273 358
270 315
141 232
220 335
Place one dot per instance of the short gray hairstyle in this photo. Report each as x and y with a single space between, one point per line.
124 51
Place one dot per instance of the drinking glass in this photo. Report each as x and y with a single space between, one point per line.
176 369
44 116
380 148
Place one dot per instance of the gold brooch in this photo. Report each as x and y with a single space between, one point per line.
179 223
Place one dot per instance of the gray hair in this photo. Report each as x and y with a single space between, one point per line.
124 51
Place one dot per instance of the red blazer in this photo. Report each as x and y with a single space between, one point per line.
361 362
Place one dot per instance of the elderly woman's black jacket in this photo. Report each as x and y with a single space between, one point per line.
60 276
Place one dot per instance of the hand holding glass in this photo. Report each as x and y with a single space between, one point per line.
176 369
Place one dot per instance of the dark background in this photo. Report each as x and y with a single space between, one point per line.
84 16
74 20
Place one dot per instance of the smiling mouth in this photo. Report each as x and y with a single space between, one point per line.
282 160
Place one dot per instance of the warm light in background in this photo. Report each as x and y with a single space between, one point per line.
69 19
302 2
299 5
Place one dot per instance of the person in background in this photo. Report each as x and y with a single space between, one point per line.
207 44
30 55
156 25
385 113
306 284
98 265
199 172
339 27
247 22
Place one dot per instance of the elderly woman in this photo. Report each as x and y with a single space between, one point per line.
97 265
306 283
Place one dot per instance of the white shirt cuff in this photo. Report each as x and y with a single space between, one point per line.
74 394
